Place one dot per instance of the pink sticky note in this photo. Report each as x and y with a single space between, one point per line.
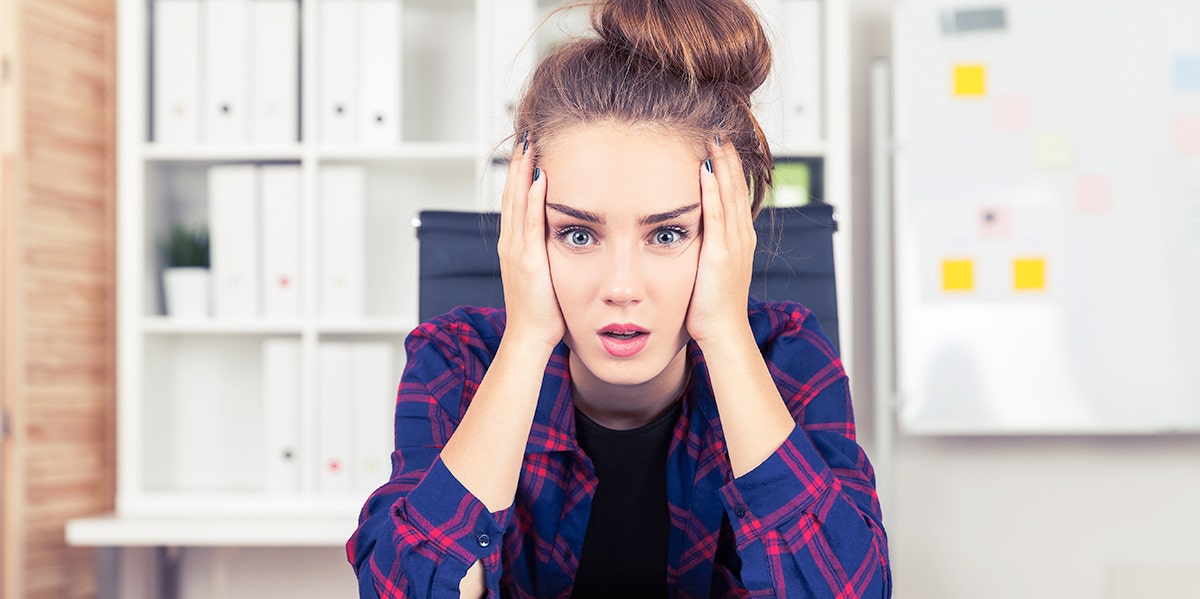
995 222
1187 134
1093 194
1012 112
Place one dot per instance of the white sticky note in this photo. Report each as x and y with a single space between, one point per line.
1012 112
1052 151
995 222
1187 134
1093 194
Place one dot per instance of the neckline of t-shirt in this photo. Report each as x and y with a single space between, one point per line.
667 418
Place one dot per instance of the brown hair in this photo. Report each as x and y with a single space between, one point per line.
685 66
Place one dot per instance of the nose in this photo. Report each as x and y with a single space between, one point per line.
623 281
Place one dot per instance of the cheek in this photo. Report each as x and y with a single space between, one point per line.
673 281
570 284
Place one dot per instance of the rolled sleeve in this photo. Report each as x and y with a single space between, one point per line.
440 517
787 482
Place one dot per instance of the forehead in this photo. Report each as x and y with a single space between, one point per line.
621 171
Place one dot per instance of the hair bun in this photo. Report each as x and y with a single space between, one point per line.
705 41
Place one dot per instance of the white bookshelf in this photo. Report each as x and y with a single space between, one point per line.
212 368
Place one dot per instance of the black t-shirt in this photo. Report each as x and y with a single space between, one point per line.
625 547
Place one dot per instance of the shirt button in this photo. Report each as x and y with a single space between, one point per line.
740 512
484 540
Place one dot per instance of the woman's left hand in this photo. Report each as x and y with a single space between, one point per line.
718 307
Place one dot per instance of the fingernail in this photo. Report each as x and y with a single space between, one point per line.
524 134
708 165
537 173
526 148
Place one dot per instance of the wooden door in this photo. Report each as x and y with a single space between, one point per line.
57 287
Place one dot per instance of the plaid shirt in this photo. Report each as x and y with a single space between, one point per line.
804 523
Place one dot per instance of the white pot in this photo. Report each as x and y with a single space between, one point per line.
186 289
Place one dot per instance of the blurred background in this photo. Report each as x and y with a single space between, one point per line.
1017 187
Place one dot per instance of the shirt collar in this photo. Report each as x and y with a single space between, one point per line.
553 427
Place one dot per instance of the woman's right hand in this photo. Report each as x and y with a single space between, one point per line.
529 298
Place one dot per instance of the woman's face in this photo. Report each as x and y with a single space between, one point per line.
623 209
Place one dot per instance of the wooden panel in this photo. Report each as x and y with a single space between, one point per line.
63 292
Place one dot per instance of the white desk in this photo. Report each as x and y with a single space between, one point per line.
110 533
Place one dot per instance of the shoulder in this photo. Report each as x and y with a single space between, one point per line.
466 331
788 332
770 320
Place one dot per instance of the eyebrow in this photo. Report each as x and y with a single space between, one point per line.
649 219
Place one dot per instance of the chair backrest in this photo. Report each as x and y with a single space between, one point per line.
794 261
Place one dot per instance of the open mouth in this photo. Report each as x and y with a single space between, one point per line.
623 340
624 336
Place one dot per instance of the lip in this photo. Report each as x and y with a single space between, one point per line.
623 348
622 328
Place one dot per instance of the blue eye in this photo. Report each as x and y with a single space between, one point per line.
574 237
669 236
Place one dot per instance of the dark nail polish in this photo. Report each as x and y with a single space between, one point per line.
526 148
537 173
524 134
708 165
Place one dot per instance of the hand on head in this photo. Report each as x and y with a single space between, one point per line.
529 298
718 306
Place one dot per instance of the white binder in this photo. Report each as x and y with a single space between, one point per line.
512 56
281 415
374 397
282 281
767 100
176 58
337 49
379 74
801 52
275 71
340 243
225 73
233 240
333 418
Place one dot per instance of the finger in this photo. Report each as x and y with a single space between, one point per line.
711 211
510 180
535 212
734 193
521 178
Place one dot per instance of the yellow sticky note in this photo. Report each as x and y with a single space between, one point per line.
1029 274
970 80
958 275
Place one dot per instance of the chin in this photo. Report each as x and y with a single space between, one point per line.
635 370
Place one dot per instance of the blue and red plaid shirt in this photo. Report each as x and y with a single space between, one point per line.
804 523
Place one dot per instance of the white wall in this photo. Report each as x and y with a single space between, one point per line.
981 518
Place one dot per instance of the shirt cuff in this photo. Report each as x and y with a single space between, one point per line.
787 482
446 515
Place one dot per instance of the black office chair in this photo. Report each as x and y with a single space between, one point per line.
794 261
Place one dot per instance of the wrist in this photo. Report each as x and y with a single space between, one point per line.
730 337
527 346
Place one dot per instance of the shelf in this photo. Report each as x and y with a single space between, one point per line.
184 531
368 327
240 153
815 149
161 325
407 151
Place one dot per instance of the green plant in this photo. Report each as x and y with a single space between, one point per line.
186 247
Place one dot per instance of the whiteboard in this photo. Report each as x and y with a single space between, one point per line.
1047 216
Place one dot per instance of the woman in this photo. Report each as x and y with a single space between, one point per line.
633 425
